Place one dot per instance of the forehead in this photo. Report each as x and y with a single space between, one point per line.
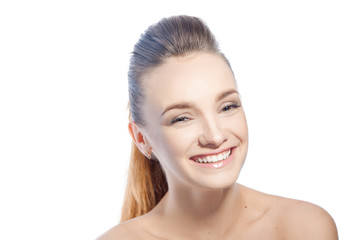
194 77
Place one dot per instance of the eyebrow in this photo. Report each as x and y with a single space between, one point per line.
226 93
185 105
182 105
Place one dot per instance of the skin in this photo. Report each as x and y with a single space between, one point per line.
193 108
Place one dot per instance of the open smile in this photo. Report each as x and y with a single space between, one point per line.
214 160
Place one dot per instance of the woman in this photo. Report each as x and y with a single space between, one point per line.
190 143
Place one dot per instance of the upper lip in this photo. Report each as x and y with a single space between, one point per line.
212 153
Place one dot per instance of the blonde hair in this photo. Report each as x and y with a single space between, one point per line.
146 185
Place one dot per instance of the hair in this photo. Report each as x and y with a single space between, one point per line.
171 37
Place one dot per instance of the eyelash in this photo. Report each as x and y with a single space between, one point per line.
179 119
229 107
185 119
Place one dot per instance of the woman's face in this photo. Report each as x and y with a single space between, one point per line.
195 124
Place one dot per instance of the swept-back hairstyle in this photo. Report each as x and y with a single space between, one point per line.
171 37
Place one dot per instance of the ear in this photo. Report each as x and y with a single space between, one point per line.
139 139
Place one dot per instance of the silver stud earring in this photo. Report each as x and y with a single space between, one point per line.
148 155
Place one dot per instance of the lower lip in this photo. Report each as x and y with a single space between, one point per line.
219 164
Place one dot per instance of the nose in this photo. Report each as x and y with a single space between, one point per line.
212 135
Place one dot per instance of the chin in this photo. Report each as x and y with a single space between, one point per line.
223 177
218 185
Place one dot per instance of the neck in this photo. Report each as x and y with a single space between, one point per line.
194 212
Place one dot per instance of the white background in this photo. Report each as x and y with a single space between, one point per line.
64 145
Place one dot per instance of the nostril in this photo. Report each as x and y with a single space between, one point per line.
212 135
213 142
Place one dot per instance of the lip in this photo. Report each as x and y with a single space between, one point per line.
212 153
215 165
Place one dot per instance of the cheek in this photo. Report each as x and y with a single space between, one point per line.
179 141
238 126
171 145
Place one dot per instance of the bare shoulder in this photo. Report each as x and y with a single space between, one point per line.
294 219
122 231
304 220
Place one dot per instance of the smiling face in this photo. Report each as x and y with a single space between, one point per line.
195 123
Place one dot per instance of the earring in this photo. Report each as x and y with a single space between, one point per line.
148 155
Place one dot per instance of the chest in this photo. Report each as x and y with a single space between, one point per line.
266 231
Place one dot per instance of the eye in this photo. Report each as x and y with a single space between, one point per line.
230 107
179 119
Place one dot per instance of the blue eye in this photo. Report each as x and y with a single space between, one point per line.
230 106
179 119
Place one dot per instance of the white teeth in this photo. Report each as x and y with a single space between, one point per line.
214 158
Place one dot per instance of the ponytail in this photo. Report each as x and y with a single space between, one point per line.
146 185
